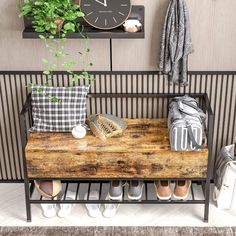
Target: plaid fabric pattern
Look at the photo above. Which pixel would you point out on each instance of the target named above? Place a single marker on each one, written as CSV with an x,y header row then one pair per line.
x,y
59,117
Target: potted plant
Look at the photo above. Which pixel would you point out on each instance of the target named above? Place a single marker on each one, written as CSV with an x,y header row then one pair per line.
x,y
54,19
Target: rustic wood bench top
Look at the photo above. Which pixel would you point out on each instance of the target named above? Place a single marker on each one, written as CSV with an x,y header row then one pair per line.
x,y
143,151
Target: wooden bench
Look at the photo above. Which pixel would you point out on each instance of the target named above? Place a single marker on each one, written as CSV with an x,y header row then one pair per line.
x,y
143,151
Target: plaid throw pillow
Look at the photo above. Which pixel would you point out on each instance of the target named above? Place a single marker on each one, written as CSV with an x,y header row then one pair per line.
x,y
58,117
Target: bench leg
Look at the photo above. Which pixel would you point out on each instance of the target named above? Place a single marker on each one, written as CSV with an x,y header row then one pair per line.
x,y
27,200
210,164
207,200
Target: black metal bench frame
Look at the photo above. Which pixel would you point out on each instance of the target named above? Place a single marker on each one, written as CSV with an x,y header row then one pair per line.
x,y
205,182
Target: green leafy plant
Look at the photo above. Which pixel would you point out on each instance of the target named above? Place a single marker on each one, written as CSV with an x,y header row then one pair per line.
x,y
54,19
49,15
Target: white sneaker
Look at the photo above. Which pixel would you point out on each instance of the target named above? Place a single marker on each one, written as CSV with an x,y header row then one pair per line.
x,y
49,210
110,209
65,209
93,209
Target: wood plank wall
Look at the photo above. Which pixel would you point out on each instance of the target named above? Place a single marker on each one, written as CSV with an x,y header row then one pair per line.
x,y
212,27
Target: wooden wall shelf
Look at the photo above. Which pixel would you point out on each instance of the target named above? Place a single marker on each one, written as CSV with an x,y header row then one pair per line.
x,y
138,12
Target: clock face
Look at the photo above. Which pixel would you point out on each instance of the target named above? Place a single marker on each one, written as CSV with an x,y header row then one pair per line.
x,y
105,14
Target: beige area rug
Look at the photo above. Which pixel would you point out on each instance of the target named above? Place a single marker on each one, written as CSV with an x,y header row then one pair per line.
x,y
123,231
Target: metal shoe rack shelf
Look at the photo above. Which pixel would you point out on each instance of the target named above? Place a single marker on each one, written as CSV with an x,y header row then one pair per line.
x,y
99,101
102,186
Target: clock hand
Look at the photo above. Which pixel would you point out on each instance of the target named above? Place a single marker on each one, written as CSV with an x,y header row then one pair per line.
x,y
104,3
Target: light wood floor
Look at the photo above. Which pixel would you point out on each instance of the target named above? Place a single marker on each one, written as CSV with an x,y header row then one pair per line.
x,y
12,213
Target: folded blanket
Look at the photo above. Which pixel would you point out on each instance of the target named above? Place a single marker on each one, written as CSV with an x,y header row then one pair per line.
x,y
225,157
176,43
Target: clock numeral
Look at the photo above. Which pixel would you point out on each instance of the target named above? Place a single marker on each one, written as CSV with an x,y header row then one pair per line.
x,y
124,5
90,13
87,5
121,13
105,11
96,19
114,19
105,21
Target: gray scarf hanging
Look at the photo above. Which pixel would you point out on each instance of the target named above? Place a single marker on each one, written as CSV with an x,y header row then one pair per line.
x,y
176,42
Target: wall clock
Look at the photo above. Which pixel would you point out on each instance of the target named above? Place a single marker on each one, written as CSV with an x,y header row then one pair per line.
x,y
105,14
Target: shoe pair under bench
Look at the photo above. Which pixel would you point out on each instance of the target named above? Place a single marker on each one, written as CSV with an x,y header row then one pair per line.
x,y
163,189
164,192
134,191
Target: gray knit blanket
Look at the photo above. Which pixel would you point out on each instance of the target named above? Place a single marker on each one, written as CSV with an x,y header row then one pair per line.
x,y
176,43
225,157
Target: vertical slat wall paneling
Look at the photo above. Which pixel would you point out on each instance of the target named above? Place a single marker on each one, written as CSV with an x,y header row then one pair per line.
x,y
220,87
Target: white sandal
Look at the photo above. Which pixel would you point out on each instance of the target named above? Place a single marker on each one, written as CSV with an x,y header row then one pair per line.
x,y
93,209
65,209
49,210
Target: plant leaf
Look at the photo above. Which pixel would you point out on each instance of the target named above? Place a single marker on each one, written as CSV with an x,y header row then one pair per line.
x,y
45,61
46,72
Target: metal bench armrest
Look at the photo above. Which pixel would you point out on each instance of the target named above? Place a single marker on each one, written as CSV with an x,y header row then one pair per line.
x,y
23,128
26,106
